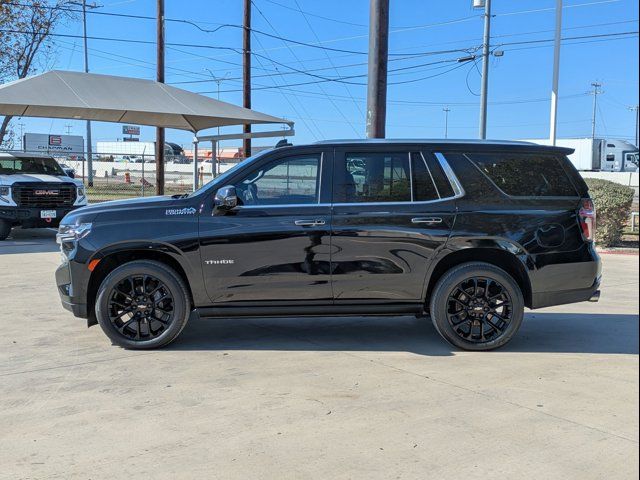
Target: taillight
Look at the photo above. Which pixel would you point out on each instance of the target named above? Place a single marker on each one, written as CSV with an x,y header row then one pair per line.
x,y
587,219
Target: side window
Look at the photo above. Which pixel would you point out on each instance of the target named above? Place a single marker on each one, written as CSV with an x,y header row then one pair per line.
x,y
287,181
372,177
525,175
439,177
423,186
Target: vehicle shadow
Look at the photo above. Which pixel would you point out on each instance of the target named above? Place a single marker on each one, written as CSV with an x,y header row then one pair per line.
x,y
540,332
35,240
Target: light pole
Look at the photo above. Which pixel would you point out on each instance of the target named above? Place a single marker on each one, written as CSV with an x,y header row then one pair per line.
x,y
553,124
21,125
485,65
446,111
635,109
596,91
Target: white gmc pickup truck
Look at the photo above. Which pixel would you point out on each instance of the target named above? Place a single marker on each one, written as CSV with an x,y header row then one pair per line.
x,y
35,192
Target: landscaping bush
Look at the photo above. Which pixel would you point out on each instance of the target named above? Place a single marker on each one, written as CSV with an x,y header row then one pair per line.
x,y
613,207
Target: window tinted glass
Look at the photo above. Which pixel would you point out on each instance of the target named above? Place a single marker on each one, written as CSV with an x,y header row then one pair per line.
x,y
439,177
372,177
525,175
35,165
292,180
423,187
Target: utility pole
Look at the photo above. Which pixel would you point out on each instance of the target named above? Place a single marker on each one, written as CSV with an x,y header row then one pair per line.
x,y
68,127
377,73
160,78
446,111
86,69
246,71
553,123
485,66
596,91
635,109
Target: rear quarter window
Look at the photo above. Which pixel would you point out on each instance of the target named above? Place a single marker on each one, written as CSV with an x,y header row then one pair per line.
x,y
526,175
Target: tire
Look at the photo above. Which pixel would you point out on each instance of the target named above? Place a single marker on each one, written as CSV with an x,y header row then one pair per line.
x,y
143,304
477,306
5,229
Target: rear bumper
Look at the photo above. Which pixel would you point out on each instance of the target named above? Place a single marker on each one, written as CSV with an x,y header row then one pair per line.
x,y
562,297
29,217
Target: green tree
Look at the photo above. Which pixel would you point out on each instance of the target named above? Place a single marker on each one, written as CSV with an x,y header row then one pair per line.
x,y
25,40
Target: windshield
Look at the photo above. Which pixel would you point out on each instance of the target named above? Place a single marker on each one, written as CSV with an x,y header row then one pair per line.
x,y
220,179
36,165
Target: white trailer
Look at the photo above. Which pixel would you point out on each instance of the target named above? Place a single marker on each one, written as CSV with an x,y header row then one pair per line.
x,y
598,154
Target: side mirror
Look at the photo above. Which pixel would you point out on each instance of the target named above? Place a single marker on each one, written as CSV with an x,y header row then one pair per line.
x,y
226,198
71,174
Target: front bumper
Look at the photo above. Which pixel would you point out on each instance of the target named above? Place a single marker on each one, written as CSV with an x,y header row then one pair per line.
x,y
71,296
29,217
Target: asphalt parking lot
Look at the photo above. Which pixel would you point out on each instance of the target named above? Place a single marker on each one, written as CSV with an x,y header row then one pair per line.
x,y
314,398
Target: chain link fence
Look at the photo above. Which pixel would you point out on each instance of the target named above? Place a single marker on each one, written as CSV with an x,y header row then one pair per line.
x,y
117,176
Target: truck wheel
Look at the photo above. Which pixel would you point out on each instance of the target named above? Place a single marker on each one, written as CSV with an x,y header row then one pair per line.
x,y
143,304
477,306
5,229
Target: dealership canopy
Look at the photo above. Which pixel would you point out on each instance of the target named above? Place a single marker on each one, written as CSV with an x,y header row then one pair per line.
x,y
107,98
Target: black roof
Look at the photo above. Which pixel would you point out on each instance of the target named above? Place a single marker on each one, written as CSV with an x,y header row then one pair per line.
x,y
456,143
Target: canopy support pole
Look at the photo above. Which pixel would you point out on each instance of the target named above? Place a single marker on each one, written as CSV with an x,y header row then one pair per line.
x,y
195,163
214,159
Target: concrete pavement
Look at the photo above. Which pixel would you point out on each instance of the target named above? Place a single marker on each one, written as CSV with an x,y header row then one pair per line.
x,y
361,398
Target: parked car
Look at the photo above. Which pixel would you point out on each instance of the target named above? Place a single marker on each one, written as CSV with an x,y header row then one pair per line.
x,y
35,192
466,233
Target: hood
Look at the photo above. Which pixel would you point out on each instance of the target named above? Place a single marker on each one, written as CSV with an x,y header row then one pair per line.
x,y
86,214
35,178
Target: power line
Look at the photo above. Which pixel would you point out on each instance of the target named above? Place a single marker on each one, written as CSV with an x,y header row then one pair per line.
x,y
320,87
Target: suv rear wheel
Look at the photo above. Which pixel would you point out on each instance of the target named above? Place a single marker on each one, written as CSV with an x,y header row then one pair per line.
x,y
143,304
5,229
477,306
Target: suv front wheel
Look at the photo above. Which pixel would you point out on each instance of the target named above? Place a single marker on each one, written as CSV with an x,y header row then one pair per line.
x,y
477,306
143,304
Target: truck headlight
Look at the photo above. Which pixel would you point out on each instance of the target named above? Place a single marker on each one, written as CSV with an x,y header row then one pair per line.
x,y
5,194
81,193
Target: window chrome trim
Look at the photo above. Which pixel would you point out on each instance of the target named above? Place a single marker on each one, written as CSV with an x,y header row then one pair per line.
x,y
458,190
413,198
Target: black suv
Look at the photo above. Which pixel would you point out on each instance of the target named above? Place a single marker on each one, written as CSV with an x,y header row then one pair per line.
x,y
468,233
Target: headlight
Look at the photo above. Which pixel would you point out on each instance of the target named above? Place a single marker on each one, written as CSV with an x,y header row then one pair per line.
x,y
81,191
72,233
5,194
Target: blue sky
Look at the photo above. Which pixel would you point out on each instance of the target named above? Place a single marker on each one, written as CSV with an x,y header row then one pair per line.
x,y
519,81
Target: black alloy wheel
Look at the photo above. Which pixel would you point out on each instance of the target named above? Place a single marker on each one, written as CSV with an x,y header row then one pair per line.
x,y
479,309
141,307
477,306
143,304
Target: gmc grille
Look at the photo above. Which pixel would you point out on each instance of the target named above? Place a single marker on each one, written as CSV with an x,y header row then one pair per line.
x,y
44,195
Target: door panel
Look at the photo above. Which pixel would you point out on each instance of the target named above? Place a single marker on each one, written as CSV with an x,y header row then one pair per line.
x,y
265,249
382,250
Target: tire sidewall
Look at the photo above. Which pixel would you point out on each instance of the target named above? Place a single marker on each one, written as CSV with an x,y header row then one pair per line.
x,y
167,276
455,276
5,229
